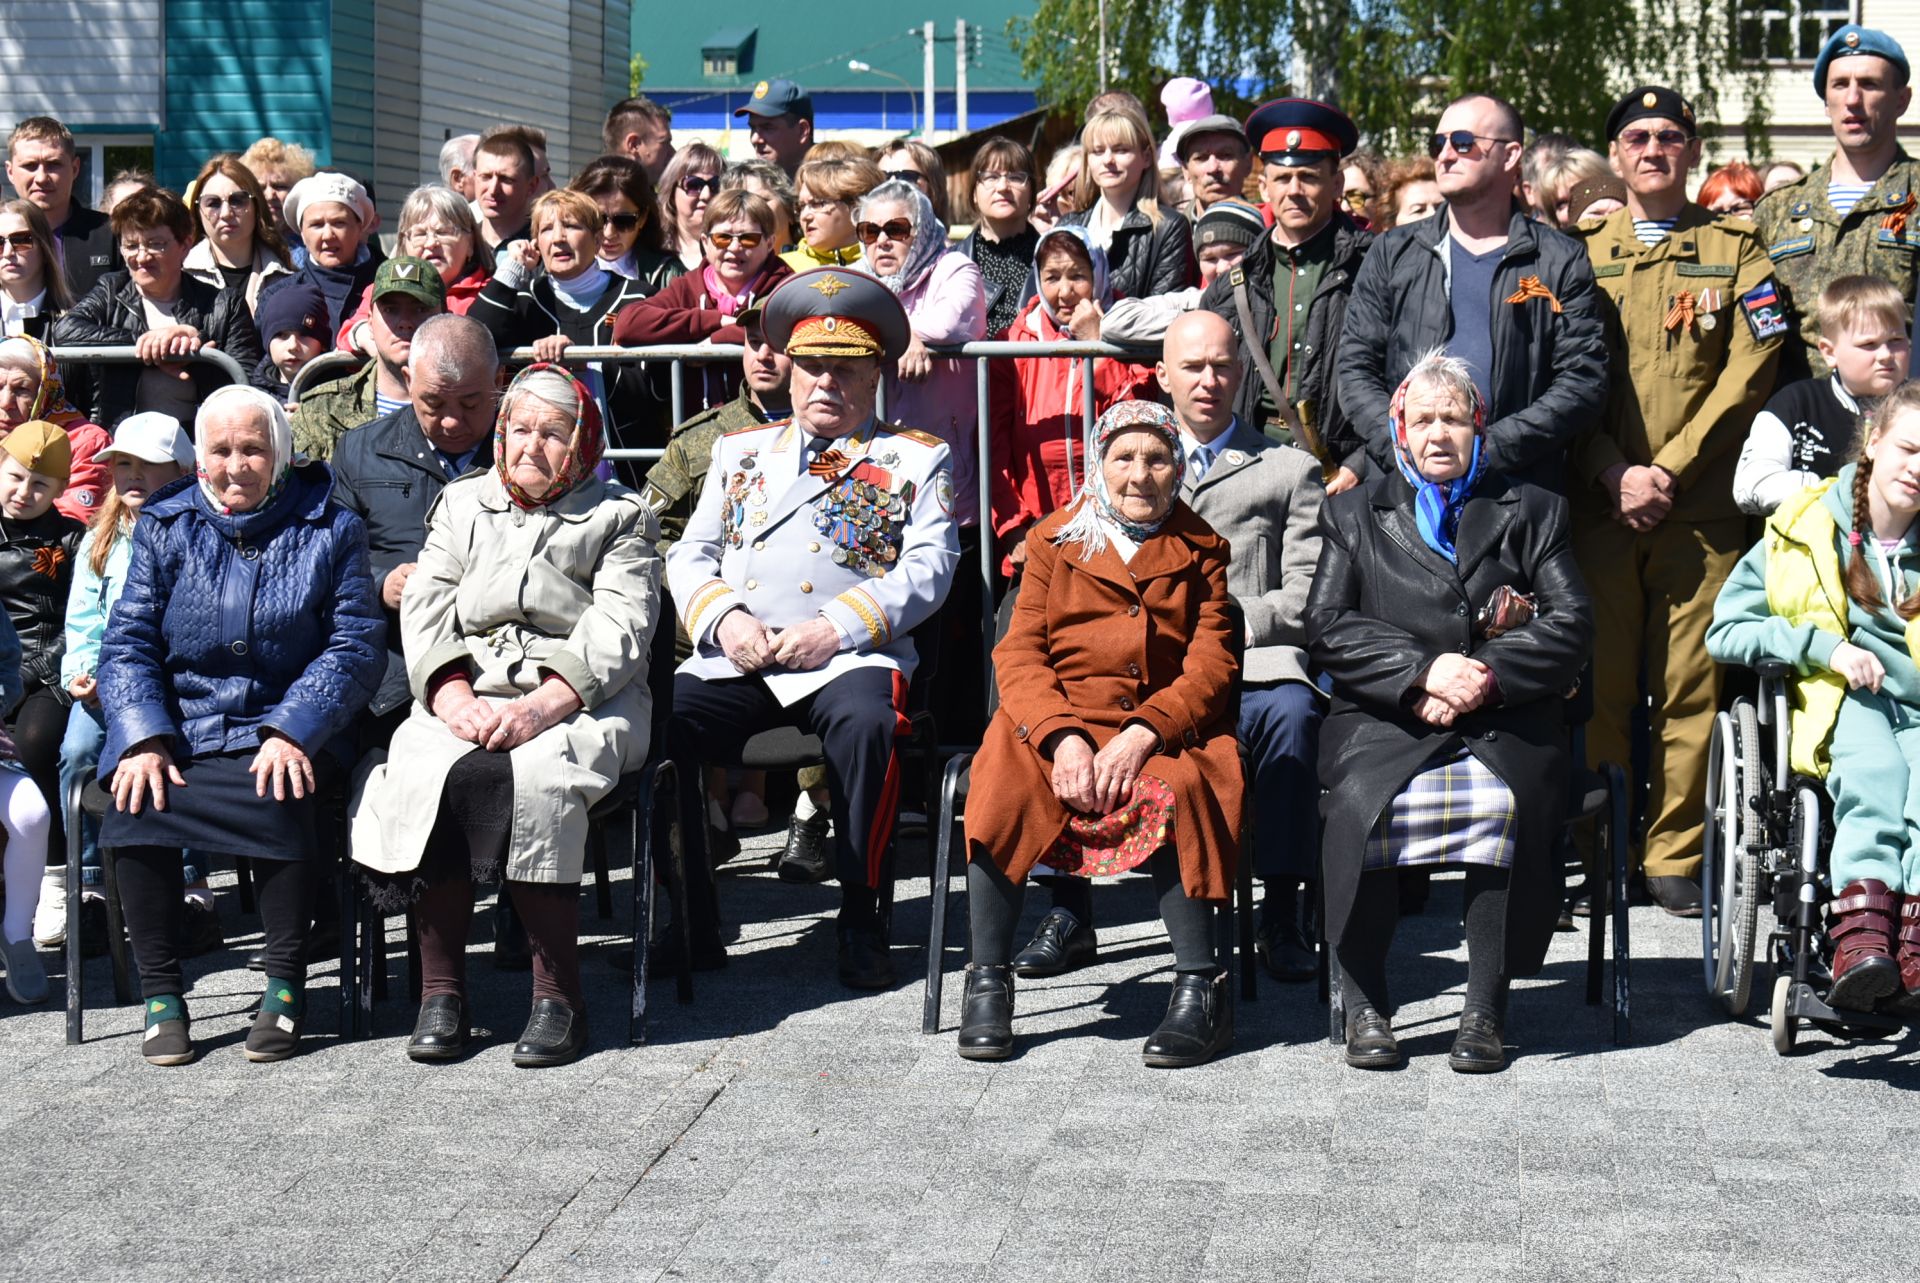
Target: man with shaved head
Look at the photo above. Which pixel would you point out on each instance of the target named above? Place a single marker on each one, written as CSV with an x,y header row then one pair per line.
x,y
1264,499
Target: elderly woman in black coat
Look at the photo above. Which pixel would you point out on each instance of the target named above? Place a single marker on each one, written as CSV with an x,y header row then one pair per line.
x,y
1452,620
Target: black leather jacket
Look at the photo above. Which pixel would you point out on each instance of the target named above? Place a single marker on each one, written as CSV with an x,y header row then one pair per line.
x,y
111,316
36,572
1145,258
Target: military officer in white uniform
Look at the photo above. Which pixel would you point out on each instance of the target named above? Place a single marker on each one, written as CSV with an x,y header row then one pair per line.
x,y
818,544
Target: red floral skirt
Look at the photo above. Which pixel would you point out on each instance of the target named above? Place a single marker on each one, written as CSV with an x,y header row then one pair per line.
x,y
1096,845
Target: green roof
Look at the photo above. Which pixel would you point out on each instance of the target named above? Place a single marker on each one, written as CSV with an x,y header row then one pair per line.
x,y
812,43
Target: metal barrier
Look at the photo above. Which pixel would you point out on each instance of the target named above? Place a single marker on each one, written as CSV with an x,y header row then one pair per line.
x,y
130,355
324,368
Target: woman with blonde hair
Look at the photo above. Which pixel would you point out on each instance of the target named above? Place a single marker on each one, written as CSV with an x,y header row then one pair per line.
x,y
237,244
690,183
1149,249
278,166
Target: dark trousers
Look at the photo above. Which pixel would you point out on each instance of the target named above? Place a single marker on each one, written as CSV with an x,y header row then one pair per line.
x,y
153,893
857,716
1280,731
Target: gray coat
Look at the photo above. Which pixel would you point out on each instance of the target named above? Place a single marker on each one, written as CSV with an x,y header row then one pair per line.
x,y
1264,500
571,589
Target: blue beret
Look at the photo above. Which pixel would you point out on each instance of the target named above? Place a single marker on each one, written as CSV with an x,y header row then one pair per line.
x,y
1852,41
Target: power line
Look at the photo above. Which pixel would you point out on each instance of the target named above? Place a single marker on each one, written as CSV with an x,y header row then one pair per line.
x,y
794,73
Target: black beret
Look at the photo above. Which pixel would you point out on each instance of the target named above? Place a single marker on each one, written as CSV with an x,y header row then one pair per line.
x,y
1651,102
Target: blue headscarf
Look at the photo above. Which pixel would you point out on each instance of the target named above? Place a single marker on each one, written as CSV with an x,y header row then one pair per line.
x,y
1437,504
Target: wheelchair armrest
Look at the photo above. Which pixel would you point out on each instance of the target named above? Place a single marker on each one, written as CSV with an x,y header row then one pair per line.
x,y
1773,670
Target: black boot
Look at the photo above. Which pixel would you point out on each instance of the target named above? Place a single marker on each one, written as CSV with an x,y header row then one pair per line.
x,y
805,858
1198,1024
1285,949
1062,943
556,1034
1370,1040
440,1032
865,961
986,1014
1479,1047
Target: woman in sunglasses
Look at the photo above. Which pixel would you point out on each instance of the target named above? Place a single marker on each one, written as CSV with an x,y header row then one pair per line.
x,y
700,307
633,241
234,247
913,161
33,289
691,181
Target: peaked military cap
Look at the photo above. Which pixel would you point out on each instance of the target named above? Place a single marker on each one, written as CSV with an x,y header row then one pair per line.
x,y
832,311
1300,131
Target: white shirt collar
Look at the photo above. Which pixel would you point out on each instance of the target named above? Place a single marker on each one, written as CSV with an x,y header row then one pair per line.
x,y
13,314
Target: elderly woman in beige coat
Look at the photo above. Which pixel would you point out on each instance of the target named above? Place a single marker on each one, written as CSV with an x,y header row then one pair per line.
x,y
526,627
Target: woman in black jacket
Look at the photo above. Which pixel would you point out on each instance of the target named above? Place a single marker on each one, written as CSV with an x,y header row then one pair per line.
x,y
1450,615
552,294
1149,249
155,306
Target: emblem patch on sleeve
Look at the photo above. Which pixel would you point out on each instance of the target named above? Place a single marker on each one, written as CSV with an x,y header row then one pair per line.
x,y
1766,315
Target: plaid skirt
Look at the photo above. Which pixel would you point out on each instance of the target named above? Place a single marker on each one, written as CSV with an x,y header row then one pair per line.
x,y
1455,811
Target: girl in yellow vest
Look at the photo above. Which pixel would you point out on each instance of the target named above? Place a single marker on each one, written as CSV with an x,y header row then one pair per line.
x,y
1833,589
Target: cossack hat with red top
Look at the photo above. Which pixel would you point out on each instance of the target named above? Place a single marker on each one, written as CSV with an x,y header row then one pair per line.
x,y
833,311
1300,131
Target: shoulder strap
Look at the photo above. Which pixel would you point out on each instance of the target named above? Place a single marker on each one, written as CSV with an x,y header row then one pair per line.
x,y
1305,434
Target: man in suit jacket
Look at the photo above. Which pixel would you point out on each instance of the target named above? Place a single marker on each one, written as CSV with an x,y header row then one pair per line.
x,y
1264,498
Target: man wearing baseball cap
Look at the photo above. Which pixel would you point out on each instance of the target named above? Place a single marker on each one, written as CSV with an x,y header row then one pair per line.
x,y
819,544
406,291
780,118
1853,215
1215,157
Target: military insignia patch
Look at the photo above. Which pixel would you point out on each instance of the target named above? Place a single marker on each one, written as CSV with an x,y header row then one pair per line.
x,y
943,491
830,285
1765,315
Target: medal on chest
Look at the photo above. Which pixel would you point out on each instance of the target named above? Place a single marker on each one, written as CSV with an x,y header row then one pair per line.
x,y
746,489
864,516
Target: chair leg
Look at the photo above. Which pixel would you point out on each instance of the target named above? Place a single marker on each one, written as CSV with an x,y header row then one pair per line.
x,y
1244,928
939,889
1599,884
641,893
1329,973
371,943
117,947
602,884
76,966
243,877
1622,959
349,944
672,827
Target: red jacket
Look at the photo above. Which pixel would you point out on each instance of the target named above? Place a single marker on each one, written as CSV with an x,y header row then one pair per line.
x,y
1037,418
685,314
88,478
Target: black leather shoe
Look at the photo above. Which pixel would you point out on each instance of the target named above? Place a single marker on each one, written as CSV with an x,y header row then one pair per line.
x,y
1478,1048
1286,953
1678,896
1198,1025
864,960
440,1033
556,1034
1370,1040
1061,944
986,1014
805,858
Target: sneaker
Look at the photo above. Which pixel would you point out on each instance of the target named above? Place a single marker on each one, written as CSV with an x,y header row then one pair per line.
x,y
50,915
26,975
275,1036
167,1043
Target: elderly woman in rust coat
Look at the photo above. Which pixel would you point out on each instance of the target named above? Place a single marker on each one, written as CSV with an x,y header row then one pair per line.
x,y
1114,742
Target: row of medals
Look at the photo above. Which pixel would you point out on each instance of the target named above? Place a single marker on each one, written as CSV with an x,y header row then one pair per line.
x,y
873,514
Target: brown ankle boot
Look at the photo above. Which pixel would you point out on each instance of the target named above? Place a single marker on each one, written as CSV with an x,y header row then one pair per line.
x,y
1906,998
1860,922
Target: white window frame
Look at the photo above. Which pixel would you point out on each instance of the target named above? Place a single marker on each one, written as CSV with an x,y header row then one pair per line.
x,y
1793,13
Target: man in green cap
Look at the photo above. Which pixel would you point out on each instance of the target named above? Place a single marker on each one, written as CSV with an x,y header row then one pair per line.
x,y
406,291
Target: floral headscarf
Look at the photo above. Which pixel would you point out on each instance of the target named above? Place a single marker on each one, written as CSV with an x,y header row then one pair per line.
x,y
50,403
1437,504
1096,514
279,441
583,451
929,234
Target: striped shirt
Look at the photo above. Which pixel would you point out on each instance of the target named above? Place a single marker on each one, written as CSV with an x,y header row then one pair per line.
x,y
1844,196
1651,231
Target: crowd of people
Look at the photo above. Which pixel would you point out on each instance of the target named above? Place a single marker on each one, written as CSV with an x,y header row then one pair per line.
x,y
1390,458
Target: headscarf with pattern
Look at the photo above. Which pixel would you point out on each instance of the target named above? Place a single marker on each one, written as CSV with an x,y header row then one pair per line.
x,y
279,441
1096,514
50,402
583,450
1437,504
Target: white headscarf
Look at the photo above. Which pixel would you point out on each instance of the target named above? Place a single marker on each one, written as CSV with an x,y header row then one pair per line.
x,y
325,186
279,438
929,233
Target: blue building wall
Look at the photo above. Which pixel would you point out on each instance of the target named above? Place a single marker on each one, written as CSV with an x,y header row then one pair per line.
x,y
850,108
353,87
220,98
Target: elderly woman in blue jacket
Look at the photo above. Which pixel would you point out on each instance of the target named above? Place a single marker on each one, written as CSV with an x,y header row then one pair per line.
x,y
246,640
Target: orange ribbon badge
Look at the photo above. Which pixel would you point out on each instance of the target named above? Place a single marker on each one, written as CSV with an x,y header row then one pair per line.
x,y
1530,287
1680,315
1896,222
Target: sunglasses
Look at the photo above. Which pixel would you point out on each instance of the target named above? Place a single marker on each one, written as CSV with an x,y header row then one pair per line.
x,y
1637,139
237,202
623,223
693,184
894,229
22,241
1356,200
1461,140
907,175
745,240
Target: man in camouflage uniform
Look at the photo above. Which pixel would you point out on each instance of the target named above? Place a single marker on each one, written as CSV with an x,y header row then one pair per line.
x,y
1853,216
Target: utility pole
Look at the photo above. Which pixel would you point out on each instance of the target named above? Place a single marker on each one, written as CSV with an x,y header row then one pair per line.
x,y
927,118
1103,46
960,75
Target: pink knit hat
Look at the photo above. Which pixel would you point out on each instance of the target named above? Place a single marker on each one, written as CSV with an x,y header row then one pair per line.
x,y
1186,99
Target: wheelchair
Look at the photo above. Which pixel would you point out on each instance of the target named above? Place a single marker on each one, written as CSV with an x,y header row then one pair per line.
x,y
1767,841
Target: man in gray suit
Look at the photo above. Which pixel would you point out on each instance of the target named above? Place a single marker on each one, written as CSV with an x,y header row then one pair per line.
x,y
1265,500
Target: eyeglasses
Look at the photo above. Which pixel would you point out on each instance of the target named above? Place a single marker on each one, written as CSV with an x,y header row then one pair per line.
x,y
894,229
1462,141
623,223
147,249
694,184
1668,139
820,206
1012,178
745,240
238,202
1356,200
434,236
21,241
907,175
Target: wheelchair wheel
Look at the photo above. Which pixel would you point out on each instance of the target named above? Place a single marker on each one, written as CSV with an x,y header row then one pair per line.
x,y
1730,873
1786,1029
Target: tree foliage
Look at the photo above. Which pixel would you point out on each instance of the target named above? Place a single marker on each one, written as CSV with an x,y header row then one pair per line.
x,y
1392,64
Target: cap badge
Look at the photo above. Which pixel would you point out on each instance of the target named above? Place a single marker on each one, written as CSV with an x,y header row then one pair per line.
x,y
1206,237
760,90
831,285
1853,39
1293,139
404,271
830,323
1650,99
